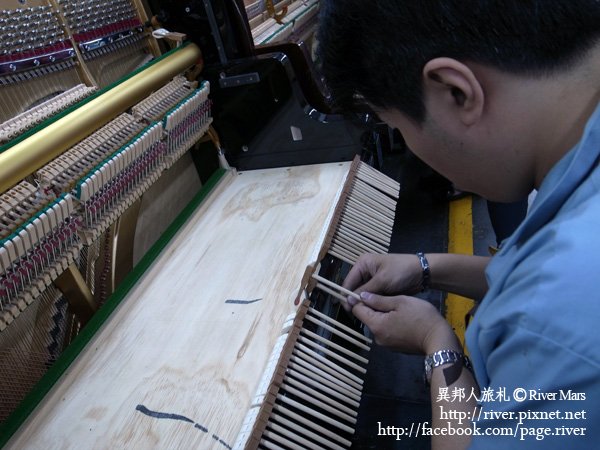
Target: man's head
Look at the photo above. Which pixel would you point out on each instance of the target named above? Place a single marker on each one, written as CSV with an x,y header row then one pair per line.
x,y
445,71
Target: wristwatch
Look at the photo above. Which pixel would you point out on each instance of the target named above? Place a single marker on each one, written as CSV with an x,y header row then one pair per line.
x,y
442,357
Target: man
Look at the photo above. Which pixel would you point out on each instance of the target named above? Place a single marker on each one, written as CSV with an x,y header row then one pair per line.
x,y
501,97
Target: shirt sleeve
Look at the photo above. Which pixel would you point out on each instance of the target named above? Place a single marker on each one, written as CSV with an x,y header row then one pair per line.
x,y
540,395
535,339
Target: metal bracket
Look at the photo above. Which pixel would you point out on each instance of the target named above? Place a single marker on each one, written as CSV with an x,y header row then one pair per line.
x,y
226,81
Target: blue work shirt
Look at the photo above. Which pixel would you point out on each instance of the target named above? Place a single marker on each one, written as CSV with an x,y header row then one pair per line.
x,y
535,338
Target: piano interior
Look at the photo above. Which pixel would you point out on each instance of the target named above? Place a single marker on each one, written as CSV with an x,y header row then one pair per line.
x,y
176,218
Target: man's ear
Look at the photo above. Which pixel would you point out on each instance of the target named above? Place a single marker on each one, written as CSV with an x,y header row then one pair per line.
x,y
450,84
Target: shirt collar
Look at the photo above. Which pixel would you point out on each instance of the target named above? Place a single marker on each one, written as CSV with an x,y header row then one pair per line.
x,y
564,178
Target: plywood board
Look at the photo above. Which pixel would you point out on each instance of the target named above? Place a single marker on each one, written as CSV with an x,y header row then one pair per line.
x,y
177,365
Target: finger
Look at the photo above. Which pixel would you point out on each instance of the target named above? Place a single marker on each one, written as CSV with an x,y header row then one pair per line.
x,y
360,273
347,307
366,315
379,302
373,285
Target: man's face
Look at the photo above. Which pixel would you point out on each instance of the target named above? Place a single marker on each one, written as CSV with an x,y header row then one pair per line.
x,y
476,160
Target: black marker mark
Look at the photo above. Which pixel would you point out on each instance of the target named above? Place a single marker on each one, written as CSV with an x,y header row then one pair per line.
x,y
242,302
222,442
161,415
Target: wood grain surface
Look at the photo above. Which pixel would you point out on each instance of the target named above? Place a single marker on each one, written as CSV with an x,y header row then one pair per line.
x,y
176,365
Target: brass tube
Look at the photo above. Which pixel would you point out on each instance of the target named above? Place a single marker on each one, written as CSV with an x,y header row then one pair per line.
x,y
32,153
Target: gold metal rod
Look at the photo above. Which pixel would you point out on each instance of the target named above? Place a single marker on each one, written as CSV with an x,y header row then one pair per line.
x,y
32,153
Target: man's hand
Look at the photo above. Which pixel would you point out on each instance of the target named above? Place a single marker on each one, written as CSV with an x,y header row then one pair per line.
x,y
391,274
396,274
405,324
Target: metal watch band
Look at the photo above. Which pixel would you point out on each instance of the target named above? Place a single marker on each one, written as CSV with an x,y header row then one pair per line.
x,y
444,357
426,271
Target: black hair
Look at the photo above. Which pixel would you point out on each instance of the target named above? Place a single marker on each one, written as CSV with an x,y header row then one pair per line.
x,y
373,51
